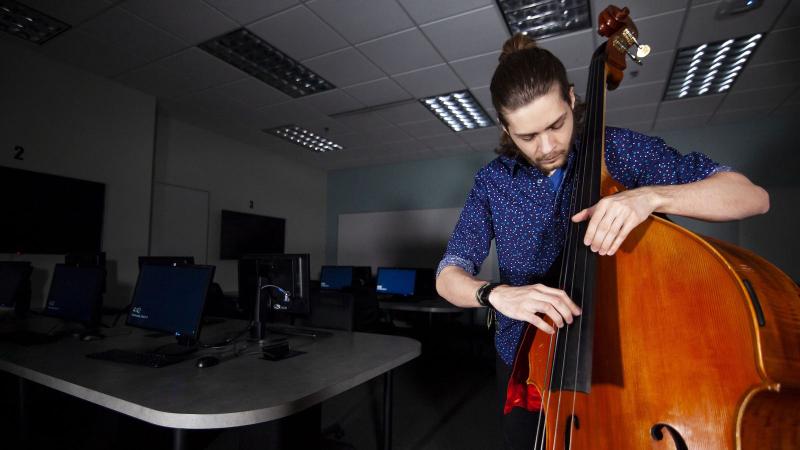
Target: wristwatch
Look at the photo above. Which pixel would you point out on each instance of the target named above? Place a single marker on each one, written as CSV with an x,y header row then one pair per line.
x,y
482,294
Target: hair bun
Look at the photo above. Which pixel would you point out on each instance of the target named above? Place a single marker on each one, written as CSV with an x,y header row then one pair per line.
x,y
516,43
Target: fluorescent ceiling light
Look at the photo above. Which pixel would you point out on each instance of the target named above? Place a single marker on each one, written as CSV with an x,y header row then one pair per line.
x,y
458,110
716,65
301,136
540,19
28,23
250,53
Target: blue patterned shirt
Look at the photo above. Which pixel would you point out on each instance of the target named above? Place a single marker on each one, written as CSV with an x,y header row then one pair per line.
x,y
515,204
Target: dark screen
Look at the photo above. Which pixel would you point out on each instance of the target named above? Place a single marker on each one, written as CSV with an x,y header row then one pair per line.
x,y
336,277
48,214
14,275
165,260
396,281
243,234
75,293
170,298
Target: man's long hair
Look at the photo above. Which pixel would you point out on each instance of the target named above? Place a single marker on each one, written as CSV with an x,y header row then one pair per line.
x,y
525,73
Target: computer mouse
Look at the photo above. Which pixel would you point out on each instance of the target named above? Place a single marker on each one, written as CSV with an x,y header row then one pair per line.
x,y
92,337
207,361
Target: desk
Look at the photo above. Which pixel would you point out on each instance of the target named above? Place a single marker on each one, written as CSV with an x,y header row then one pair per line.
x,y
436,305
241,391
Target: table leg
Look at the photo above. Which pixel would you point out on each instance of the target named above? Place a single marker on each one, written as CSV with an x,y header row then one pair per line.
x,y
23,412
387,410
178,439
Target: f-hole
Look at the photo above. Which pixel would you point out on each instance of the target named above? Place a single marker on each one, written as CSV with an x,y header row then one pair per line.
x,y
657,434
571,420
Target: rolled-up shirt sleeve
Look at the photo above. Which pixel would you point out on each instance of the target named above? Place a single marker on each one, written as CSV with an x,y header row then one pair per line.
x,y
472,238
635,159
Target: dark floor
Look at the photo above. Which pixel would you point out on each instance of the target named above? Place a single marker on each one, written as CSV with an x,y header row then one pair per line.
x,y
445,399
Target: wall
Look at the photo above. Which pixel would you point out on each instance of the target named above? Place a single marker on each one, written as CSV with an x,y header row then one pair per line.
x,y
760,149
233,174
75,124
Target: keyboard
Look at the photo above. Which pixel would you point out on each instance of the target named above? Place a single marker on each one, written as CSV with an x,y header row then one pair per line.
x,y
27,337
139,358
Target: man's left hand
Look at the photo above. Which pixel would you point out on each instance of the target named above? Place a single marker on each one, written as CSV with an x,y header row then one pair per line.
x,y
613,218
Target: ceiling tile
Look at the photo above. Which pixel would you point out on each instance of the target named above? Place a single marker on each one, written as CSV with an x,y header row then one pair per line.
x,y
363,121
344,67
132,34
352,141
401,52
82,50
328,127
424,11
72,13
378,92
759,76
426,128
380,136
253,93
660,32
299,33
431,81
574,49
779,45
200,66
629,115
361,20
790,17
482,139
739,115
680,123
411,111
702,26
769,98
287,113
331,102
473,33
191,20
442,141
247,11
484,97
579,78
642,8
656,68
695,106
635,95
157,81
476,71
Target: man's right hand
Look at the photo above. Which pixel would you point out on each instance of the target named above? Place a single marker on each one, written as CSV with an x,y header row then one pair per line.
x,y
526,303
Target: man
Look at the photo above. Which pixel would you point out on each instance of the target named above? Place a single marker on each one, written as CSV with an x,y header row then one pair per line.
x,y
519,200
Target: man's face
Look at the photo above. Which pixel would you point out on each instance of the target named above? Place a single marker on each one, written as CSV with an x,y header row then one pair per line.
x,y
542,129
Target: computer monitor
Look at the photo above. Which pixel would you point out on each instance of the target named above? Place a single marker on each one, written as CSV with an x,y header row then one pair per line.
x,y
336,278
394,281
289,272
76,294
170,299
15,285
165,260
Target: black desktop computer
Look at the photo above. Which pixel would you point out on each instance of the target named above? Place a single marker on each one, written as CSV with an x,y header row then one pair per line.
x,y
15,286
342,278
168,299
76,295
396,282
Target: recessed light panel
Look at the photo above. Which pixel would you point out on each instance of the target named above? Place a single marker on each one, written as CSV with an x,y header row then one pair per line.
x,y
458,110
540,19
255,56
709,68
304,138
28,23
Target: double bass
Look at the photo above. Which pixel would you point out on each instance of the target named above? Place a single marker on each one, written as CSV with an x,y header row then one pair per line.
x,y
685,342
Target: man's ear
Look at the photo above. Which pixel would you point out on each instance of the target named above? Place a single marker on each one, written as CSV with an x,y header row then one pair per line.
x,y
572,96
